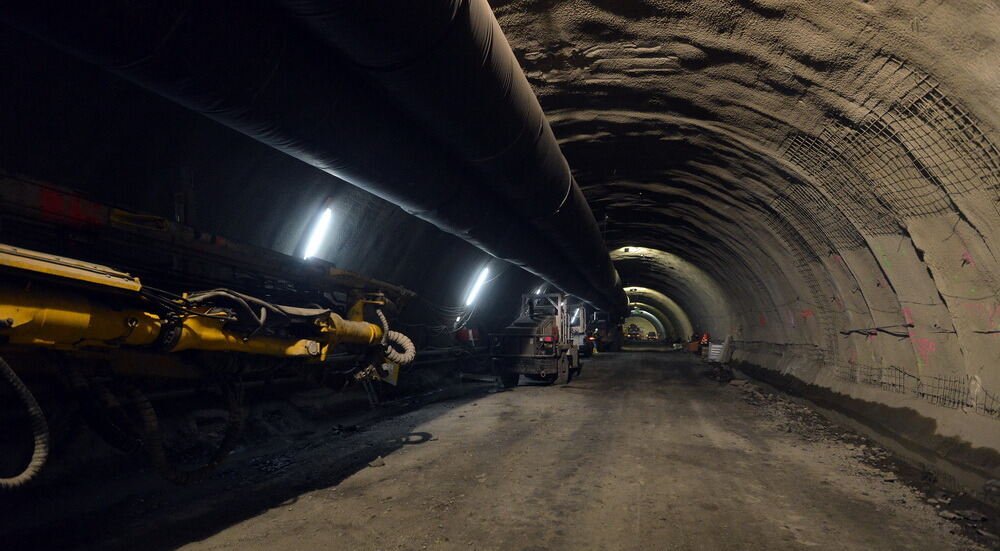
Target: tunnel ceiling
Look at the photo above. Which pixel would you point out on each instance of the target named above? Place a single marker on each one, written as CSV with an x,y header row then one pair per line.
x,y
820,172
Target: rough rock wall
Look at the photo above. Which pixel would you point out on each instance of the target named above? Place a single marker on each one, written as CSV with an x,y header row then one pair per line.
x,y
832,166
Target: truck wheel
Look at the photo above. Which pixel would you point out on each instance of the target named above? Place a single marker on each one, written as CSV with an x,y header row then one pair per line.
x,y
509,379
563,376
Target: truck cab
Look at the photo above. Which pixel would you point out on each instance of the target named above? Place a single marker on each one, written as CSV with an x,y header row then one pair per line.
x,y
580,331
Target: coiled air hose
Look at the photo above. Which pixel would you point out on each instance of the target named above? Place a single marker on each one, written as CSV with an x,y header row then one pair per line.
x,y
39,429
399,349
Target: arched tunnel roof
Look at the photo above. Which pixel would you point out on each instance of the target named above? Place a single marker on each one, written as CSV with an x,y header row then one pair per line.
x,y
820,181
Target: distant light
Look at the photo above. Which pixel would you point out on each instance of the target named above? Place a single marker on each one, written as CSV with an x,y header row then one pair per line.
x,y
458,319
575,315
318,234
478,285
538,291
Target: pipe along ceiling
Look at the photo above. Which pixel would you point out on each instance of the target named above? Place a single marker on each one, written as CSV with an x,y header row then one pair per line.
x,y
423,105
818,180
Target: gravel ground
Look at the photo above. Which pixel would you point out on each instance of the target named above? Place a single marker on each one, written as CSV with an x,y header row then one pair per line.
x,y
643,451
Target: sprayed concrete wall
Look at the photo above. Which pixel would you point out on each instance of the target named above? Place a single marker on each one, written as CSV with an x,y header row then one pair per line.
x,y
820,180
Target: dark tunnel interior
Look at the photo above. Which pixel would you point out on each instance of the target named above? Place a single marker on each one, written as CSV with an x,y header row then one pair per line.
x,y
815,183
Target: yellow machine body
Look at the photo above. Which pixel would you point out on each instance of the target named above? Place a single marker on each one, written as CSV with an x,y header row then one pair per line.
x,y
53,308
44,264
45,315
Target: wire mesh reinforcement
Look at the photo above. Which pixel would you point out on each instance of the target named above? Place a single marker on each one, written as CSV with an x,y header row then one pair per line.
x,y
904,157
840,179
955,392
835,228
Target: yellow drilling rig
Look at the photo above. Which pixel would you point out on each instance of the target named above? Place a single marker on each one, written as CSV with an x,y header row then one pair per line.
x,y
97,329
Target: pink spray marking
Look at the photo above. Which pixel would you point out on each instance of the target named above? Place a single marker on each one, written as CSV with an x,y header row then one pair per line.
x,y
924,347
967,258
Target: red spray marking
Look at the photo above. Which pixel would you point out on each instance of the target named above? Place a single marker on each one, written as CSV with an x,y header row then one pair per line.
x,y
838,259
807,313
907,315
924,347
967,258
762,319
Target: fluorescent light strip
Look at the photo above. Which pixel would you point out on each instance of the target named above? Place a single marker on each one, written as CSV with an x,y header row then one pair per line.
x,y
318,233
478,285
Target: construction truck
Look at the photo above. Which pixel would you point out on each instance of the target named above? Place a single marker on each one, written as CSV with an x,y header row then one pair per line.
x,y
538,344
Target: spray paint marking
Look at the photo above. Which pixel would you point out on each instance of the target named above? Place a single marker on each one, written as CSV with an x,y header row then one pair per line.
x,y
762,319
885,257
924,347
908,317
967,258
807,313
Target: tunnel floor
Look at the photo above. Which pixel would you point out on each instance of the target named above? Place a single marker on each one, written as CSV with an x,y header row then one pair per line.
x,y
641,452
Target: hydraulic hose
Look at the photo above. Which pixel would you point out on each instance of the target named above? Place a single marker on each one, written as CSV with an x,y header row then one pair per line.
x,y
39,429
154,438
398,347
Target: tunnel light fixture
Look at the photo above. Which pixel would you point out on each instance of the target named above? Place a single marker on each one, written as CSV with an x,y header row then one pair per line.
x,y
576,315
318,234
477,286
538,291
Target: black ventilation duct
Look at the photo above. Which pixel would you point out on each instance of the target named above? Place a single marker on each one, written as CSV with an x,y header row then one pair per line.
x,y
436,117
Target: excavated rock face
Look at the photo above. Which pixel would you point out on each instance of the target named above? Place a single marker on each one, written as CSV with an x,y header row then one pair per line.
x,y
818,179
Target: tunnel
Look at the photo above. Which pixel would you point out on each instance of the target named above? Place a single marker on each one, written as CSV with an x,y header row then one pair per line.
x,y
796,205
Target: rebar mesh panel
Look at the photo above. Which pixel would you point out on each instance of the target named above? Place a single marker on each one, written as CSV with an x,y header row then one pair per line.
x,y
843,181
847,372
908,155
804,224
986,403
874,147
832,222
943,135
895,379
949,392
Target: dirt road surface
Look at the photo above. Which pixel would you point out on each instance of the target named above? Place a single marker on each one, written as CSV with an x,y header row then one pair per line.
x,y
643,452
